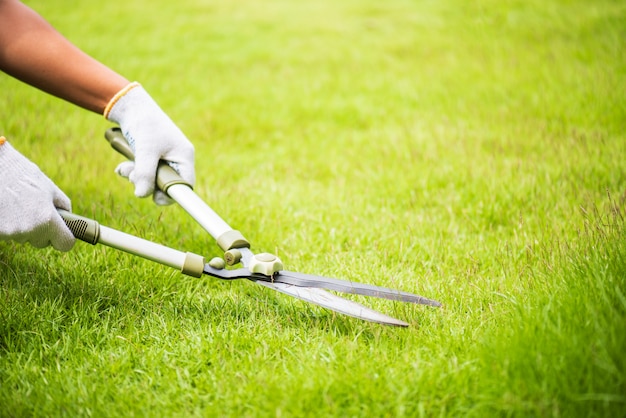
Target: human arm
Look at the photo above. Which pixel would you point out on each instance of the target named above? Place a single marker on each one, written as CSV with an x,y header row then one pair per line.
x,y
32,51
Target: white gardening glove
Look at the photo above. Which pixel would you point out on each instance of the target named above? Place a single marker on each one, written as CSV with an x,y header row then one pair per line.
x,y
29,202
152,136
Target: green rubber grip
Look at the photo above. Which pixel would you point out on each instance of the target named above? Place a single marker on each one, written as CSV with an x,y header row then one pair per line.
x,y
166,175
84,229
193,265
232,239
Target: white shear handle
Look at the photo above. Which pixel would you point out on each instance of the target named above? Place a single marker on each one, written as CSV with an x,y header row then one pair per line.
x,y
178,189
93,233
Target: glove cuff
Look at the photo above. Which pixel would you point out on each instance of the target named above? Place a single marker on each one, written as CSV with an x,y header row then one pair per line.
x,y
10,158
14,161
109,114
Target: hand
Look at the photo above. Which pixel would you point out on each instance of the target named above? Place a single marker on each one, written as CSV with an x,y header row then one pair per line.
x,y
29,202
152,136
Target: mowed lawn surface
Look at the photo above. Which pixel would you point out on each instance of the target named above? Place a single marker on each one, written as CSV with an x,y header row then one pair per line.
x,y
470,152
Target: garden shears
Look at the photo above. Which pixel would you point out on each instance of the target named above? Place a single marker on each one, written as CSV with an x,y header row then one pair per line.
x,y
264,268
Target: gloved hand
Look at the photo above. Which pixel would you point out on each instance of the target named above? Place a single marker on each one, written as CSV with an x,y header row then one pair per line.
x,y
28,202
152,136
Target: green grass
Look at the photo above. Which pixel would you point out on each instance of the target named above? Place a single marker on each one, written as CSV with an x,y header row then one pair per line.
x,y
471,152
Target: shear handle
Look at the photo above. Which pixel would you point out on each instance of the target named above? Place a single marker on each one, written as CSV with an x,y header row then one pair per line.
x,y
170,182
92,232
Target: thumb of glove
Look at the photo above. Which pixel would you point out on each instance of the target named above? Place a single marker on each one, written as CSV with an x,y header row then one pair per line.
x,y
124,169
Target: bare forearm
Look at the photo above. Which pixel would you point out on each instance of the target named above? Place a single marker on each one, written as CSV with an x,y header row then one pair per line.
x,y
32,51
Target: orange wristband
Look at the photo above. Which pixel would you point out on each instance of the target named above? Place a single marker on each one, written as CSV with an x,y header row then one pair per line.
x,y
118,96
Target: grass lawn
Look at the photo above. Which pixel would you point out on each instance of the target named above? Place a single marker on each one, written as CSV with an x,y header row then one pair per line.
x,y
473,152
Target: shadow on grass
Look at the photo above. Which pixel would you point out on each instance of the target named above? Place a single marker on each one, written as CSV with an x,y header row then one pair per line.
x,y
45,298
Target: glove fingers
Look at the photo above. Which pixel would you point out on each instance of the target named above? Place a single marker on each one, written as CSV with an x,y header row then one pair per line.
x,y
60,200
124,169
144,176
185,164
186,171
144,182
62,238
161,198
52,231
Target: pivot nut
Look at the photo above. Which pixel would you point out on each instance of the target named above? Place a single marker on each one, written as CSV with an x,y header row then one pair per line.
x,y
232,257
266,264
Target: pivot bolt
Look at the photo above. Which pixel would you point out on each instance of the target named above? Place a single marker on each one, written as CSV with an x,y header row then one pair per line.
x,y
266,264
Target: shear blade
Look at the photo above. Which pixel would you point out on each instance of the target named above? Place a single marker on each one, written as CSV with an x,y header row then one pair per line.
x,y
309,280
328,300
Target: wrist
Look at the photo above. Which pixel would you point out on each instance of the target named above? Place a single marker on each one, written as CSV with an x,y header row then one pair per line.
x,y
118,96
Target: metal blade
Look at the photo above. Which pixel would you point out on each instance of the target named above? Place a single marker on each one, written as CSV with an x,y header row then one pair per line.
x,y
328,300
309,280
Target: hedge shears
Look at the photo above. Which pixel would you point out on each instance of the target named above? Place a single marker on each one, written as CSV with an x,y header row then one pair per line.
x,y
263,268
